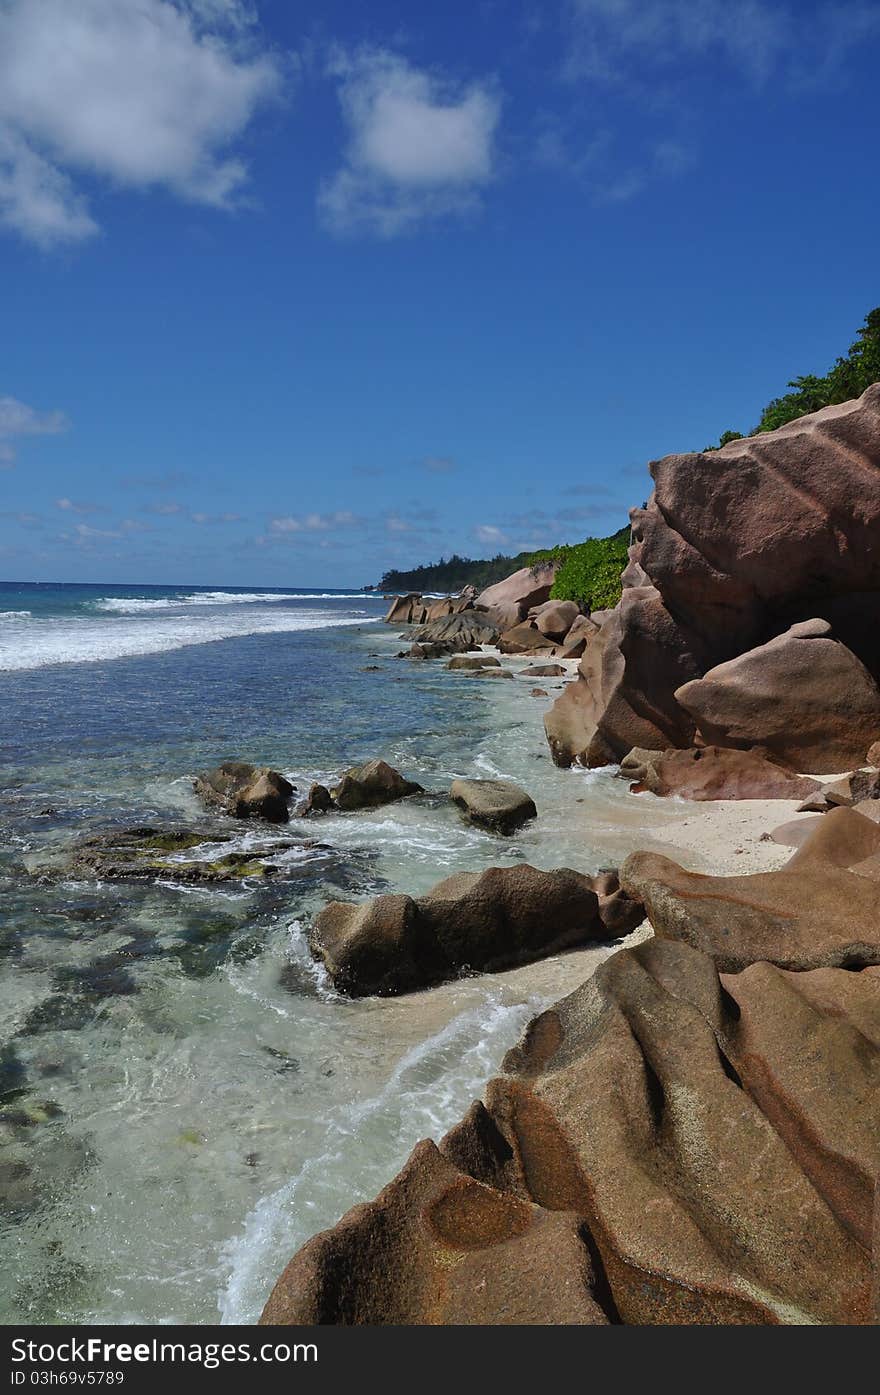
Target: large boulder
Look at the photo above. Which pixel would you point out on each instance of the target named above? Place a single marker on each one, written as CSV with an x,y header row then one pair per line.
x,y
245,791
803,696
544,671
477,921
820,910
510,600
767,523
734,546
467,663
525,638
406,610
555,618
499,805
719,1173
624,693
375,782
712,772
466,629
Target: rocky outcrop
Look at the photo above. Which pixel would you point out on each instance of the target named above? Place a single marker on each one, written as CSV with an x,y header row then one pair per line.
x,y
498,805
187,855
510,600
467,629
454,1251
246,791
477,921
659,1150
373,783
712,772
734,547
406,610
469,662
821,910
803,695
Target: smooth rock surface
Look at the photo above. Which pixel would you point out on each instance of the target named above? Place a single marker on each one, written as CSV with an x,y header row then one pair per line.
x,y
714,1173
714,773
496,804
476,921
803,696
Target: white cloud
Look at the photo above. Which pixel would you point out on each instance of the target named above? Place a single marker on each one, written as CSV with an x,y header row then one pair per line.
x,y
754,37
312,522
140,92
419,146
18,419
749,33
488,533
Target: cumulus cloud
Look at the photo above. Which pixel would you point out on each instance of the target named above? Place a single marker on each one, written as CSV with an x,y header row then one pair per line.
x,y
17,419
143,93
419,145
488,533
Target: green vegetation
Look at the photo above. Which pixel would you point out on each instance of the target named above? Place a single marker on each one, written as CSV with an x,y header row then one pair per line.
x,y
590,571
848,378
452,575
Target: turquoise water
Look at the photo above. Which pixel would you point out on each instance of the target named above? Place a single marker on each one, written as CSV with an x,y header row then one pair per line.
x,y
182,1099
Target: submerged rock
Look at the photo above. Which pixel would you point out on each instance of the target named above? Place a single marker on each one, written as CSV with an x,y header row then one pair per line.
x,y
479,921
246,791
318,801
373,783
499,805
148,852
659,1150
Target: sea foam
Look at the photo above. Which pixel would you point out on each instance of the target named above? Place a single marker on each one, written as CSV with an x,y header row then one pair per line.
x,y
80,641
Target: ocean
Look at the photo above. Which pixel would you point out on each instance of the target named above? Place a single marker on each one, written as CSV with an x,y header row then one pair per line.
x,y
183,1099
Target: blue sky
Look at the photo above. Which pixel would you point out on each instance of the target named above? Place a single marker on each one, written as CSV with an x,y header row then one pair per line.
x,y
292,293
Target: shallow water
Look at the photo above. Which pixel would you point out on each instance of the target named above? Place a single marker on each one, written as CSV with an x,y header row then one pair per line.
x,y
182,1100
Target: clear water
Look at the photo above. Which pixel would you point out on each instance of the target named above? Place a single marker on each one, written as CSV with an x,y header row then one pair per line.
x,y
182,1100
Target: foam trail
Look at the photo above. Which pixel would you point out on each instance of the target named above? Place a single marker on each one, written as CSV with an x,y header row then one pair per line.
x,y
428,1090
